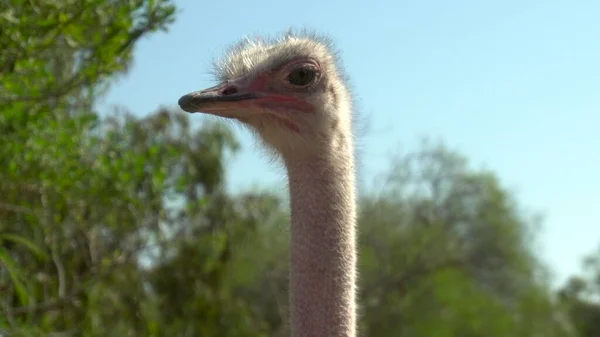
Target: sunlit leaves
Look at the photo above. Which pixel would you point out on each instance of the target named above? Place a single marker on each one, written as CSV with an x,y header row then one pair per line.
x,y
54,48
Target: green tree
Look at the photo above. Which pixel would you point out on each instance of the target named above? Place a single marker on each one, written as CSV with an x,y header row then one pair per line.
x,y
108,226
131,235
447,252
52,50
581,298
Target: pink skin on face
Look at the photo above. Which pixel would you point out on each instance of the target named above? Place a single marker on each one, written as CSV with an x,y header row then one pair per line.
x,y
283,104
230,98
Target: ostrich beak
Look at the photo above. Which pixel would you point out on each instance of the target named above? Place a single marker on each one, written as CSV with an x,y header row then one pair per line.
x,y
220,100
240,98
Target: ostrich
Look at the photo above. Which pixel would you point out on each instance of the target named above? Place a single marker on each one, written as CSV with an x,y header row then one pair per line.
x,y
292,94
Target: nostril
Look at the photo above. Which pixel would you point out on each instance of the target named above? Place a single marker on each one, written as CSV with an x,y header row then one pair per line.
x,y
229,91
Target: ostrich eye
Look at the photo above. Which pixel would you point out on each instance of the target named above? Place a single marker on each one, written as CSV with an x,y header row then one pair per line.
x,y
301,76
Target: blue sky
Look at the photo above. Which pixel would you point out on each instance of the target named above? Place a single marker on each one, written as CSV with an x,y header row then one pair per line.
x,y
513,85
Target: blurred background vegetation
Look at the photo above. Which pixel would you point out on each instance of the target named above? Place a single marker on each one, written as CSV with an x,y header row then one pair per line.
x,y
115,225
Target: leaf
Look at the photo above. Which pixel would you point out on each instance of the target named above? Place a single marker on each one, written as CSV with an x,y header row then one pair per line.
x,y
15,275
35,249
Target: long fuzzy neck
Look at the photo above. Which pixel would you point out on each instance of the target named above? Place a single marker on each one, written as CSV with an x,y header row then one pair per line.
x,y
323,241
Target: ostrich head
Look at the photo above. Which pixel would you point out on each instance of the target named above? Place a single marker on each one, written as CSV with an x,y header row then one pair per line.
x,y
290,91
292,94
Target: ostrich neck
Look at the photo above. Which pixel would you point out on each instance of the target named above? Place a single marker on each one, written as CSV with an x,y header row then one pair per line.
x,y
323,248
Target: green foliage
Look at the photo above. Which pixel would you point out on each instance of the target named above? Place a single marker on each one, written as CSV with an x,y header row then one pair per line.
x,y
581,298
51,49
446,252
